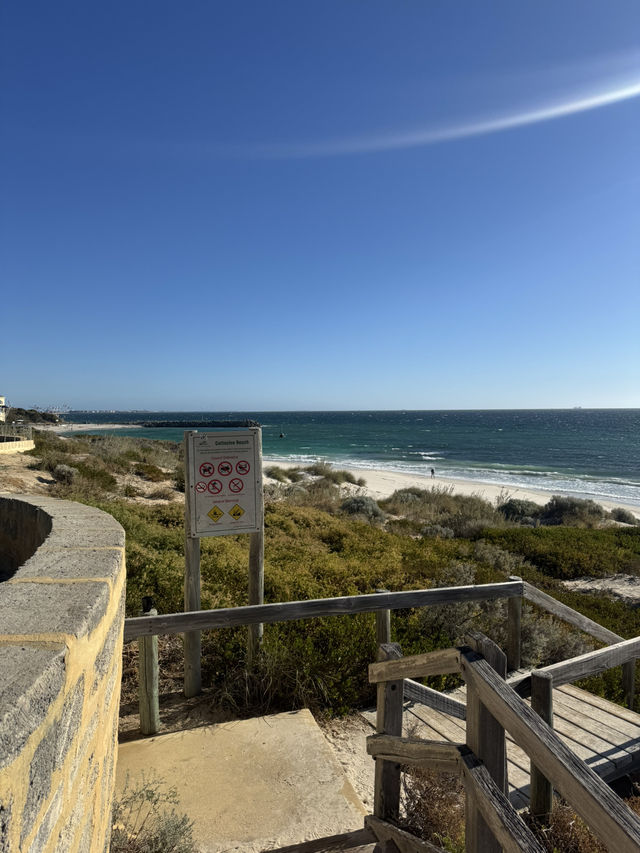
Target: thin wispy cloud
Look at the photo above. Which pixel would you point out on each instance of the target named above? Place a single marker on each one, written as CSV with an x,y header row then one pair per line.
x,y
602,94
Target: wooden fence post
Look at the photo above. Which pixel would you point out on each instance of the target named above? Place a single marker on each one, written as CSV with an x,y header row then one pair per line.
x,y
514,630
383,624
386,797
629,682
256,593
541,799
256,567
148,675
192,639
486,739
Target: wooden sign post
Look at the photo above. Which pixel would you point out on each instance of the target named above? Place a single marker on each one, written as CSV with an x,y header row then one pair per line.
x,y
223,497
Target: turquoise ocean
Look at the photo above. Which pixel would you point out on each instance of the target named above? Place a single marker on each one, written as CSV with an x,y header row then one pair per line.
x,y
589,453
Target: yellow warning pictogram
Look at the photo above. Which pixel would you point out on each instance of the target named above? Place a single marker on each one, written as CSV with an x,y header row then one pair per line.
x,y
236,512
215,513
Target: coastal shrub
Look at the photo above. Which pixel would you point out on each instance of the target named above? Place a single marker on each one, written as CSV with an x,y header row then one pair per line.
x,y
179,477
572,552
163,493
465,515
130,491
327,472
321,493
145,820
516,509
276,473
571,512
64,473
47,442
362,505
437,531
15,413
50,460
97,475
499,559
564,831
433,808
150,472
623,515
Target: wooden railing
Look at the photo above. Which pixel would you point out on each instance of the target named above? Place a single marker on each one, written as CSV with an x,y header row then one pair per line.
x,y
229,617
381,603
493,706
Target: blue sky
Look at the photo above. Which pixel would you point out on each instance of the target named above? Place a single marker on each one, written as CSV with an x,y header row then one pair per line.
x,y
320,205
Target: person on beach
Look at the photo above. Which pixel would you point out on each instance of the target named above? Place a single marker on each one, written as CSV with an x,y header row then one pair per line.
x,y
433,473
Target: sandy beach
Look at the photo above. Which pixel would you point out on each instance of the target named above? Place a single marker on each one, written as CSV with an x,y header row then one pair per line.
x,y
381,484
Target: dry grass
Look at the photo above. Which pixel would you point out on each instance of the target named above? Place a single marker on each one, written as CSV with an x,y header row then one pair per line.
x,y
434,811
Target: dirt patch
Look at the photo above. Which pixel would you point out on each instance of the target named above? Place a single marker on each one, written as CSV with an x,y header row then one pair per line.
x,y
348,738
18,476
623,587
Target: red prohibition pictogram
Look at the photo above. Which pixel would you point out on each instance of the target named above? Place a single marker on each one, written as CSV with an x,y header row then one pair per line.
x,y
225,468
236,485
243,467
214,487
207,469
201,487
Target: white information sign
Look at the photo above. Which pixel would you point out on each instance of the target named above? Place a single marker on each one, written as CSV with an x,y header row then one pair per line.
x,y
224,482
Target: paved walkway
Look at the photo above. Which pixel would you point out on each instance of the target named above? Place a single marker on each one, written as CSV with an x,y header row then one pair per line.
x,y
251,785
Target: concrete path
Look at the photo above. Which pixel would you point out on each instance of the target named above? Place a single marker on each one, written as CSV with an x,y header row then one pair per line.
x,y
251,785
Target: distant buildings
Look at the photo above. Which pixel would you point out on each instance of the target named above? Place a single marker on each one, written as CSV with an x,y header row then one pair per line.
x,y
3,410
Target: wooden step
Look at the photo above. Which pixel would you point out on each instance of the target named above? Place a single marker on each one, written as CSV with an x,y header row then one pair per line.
x,y
360,841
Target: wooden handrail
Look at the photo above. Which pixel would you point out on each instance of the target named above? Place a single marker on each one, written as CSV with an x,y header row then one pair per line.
x,y
228,617
440,662
612,821
435,755
568,614
593,663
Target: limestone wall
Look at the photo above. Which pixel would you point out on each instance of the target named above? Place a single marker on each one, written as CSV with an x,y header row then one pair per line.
x,y
17,446
61,619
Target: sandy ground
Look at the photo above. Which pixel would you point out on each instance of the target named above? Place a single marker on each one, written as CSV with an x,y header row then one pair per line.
x,y
623,587
19,477
348,737
381,484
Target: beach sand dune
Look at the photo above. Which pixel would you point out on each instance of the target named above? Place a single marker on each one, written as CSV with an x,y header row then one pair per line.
x,y
380,484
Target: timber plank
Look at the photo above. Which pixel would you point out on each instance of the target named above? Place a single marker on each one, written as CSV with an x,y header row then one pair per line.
x,y
437,726
611,740
286,611
597,701
360,841
404,841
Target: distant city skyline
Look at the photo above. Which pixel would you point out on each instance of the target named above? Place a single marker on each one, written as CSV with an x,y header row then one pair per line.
x,y
320,206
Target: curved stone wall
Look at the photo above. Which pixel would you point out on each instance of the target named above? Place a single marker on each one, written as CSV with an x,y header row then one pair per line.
x,y
61,620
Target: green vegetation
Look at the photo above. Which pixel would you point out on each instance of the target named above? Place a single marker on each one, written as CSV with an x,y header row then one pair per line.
x,y
323,539
570,552
30,416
